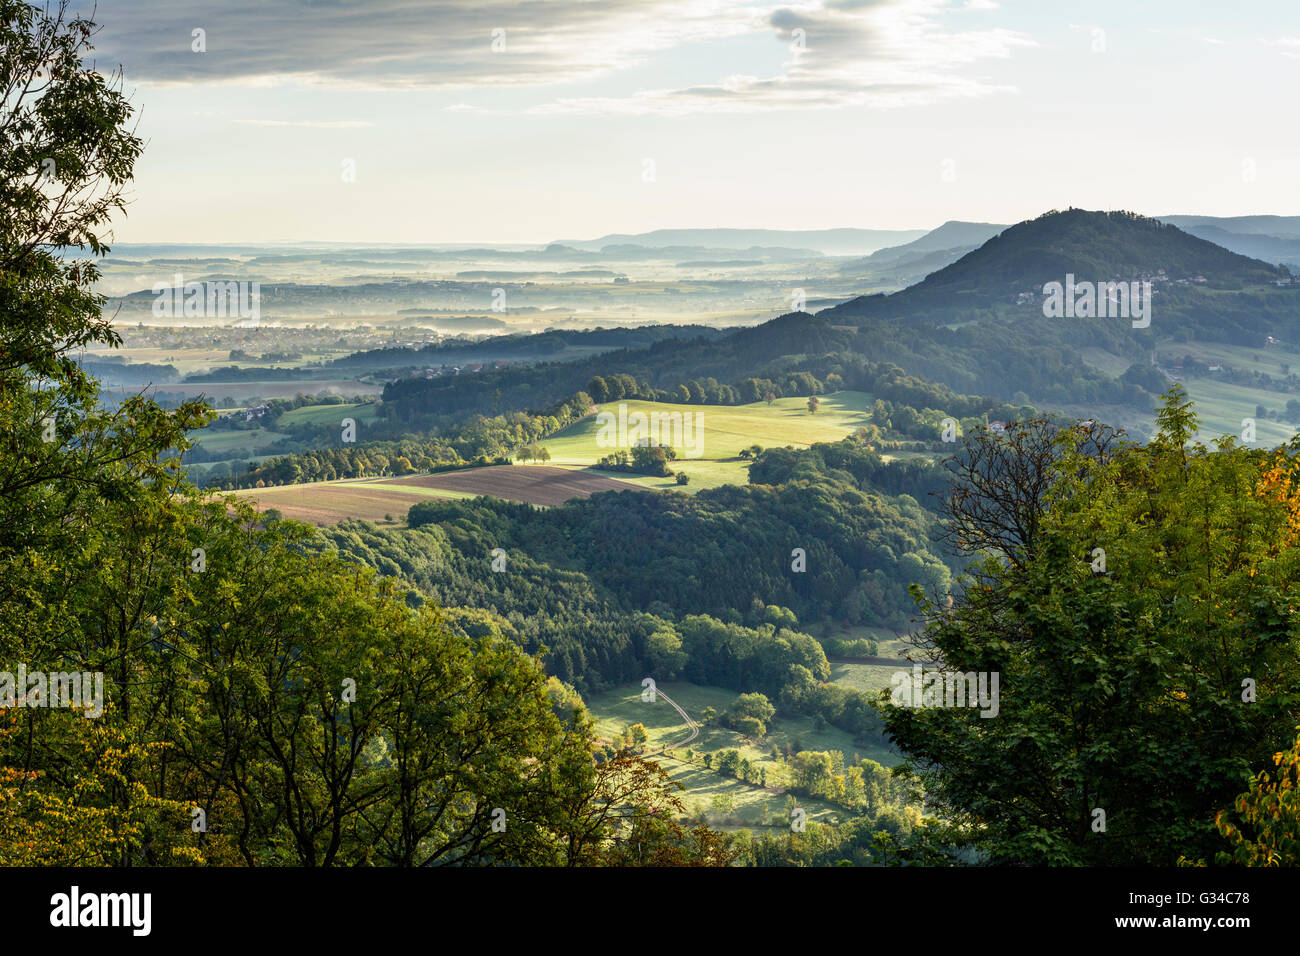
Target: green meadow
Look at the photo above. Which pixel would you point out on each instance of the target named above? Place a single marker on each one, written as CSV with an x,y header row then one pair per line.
x,y
239,444
724,431
724,799
1220,405
328,414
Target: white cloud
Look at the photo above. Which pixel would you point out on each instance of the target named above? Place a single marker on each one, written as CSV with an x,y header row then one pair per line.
x,y
856,52
1288,47
404,44
853,53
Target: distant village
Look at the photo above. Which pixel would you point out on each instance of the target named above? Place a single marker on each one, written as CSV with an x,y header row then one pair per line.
x,y
444,371
1030,296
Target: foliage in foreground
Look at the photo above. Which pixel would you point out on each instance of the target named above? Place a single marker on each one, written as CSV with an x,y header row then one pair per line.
x,y
1140,606
265,704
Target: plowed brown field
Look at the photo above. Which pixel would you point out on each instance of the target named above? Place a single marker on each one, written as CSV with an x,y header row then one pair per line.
x,y
536,484
329,502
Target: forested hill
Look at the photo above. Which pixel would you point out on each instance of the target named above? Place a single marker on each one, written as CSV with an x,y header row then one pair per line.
x,y
1093,246
979,326
976,326
551,345
767,355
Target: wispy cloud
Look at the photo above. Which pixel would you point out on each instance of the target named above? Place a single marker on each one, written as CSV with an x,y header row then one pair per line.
x,y
413,44
842,53
1288,47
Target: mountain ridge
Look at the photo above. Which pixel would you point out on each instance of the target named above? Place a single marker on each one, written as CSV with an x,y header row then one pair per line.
x,y
840,241
1091,245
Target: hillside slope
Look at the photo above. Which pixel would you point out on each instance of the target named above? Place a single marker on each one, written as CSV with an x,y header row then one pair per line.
x,y
1096,246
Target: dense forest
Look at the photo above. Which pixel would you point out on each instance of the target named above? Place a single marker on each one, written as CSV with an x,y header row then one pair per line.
x,y
1138,602
617,587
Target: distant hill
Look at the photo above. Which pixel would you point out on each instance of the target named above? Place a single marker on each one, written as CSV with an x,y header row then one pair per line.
x,y
630,251
908,269
831,242
979,325
1282,227
1271,238
953,234
912,261
1096,246
775,349
1279,249
551,345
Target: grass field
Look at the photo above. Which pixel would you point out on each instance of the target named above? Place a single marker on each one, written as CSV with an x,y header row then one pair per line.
x,y
1220,405
244,443
328,414
873,676
240,444
703,473
870,678
723,431
728,802
1269,361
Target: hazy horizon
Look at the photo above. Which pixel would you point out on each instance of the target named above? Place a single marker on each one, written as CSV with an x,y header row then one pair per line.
x,y
528,244
509,122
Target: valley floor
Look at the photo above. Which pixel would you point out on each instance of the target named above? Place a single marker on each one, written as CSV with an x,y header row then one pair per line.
x,y
725,801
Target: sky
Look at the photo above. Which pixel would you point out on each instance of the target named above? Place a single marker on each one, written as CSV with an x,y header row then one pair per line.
x,y
522,121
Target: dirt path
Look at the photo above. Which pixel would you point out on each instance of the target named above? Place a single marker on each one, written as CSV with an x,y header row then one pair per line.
x,y
694,727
